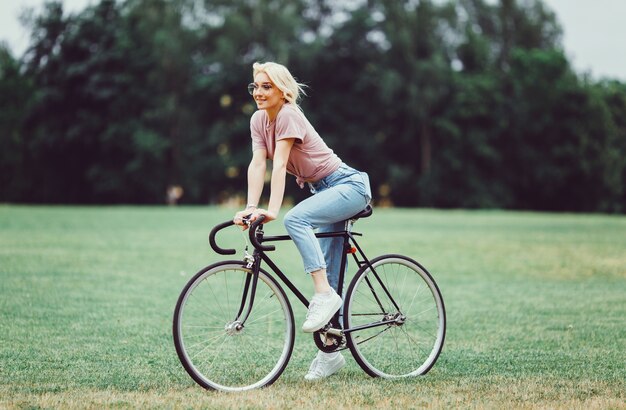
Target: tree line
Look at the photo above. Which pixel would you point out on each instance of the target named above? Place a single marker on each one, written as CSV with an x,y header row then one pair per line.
x,y
445,104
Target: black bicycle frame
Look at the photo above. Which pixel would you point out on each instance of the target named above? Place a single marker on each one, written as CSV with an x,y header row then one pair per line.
x,y
257,237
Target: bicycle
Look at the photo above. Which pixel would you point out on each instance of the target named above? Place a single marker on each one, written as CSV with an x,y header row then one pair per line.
x,y
234,327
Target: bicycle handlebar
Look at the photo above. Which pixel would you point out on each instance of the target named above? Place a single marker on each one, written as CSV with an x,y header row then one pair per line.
x,y
212,242
252,234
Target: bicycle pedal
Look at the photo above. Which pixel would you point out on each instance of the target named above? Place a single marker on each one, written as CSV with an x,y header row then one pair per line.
x,y
325,328
335,332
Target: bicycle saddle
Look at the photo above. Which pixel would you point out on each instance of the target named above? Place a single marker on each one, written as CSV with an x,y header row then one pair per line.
x,y
364,213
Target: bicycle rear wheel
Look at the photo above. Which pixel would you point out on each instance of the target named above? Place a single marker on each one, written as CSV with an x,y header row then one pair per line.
x,y
411,343
217,350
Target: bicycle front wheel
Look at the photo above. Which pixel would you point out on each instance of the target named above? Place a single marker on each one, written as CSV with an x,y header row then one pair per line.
x,y
218,350
399,317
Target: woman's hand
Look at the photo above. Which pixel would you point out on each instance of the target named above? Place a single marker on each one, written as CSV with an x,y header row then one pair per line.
x,y
269,215
238,219
253,214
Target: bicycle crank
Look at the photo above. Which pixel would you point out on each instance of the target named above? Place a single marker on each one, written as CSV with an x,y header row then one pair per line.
x,y
329,339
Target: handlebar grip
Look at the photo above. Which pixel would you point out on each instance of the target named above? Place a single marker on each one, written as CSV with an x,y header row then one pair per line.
x,y
253,238
214,231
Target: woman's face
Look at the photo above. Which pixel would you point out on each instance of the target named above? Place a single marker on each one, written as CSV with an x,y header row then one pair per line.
x,y
266,95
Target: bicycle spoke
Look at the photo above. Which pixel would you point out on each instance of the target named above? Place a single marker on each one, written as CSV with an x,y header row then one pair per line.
x,y
376,335
207,342
426,310
264,316
215,298
414,296
216,355
413,341
203,327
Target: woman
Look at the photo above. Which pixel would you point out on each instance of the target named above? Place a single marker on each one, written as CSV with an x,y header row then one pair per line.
x,y
282,133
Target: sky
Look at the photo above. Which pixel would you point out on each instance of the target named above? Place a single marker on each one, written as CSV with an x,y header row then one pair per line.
x,y
594,31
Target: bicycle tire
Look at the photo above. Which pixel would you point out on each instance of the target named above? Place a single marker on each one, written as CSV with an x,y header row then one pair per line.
x,y
409,346
214,352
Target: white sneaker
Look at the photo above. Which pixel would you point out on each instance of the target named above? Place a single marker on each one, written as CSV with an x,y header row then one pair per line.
x,y
324,365
321,310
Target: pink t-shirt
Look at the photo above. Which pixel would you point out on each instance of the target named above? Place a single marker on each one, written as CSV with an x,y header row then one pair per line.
x,y
310,158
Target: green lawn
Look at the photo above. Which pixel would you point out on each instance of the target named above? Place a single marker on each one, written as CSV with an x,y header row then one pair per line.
x,y
536,307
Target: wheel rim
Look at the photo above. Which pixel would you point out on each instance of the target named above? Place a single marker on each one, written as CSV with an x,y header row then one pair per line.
x,y
409,346
219,351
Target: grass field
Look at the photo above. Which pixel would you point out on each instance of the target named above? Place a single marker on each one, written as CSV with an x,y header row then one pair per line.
x,y
536,308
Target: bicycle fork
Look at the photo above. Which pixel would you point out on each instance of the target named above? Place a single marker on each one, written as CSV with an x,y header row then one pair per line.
x,y
249,289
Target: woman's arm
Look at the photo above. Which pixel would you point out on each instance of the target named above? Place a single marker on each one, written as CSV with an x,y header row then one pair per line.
x,y
256,176
256,180
279,173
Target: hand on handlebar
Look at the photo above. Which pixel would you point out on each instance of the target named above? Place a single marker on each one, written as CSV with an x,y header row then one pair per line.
x,y
241,218
245,218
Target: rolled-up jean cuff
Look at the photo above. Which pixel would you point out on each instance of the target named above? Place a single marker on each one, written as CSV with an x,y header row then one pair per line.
x,y
314,268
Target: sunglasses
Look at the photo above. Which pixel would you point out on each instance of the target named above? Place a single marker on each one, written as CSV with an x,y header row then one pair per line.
x,y
265,87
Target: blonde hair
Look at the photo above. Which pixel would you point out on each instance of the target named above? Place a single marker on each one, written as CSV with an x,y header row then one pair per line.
x,y
282,78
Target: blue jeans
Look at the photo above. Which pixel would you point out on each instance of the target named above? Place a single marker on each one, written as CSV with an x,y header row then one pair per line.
x,y
336,198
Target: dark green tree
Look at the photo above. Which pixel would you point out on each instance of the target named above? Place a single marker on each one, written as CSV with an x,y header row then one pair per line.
x,y
106,121
16,92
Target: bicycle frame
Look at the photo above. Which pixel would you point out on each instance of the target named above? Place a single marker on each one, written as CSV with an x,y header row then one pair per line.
x,y
350,246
